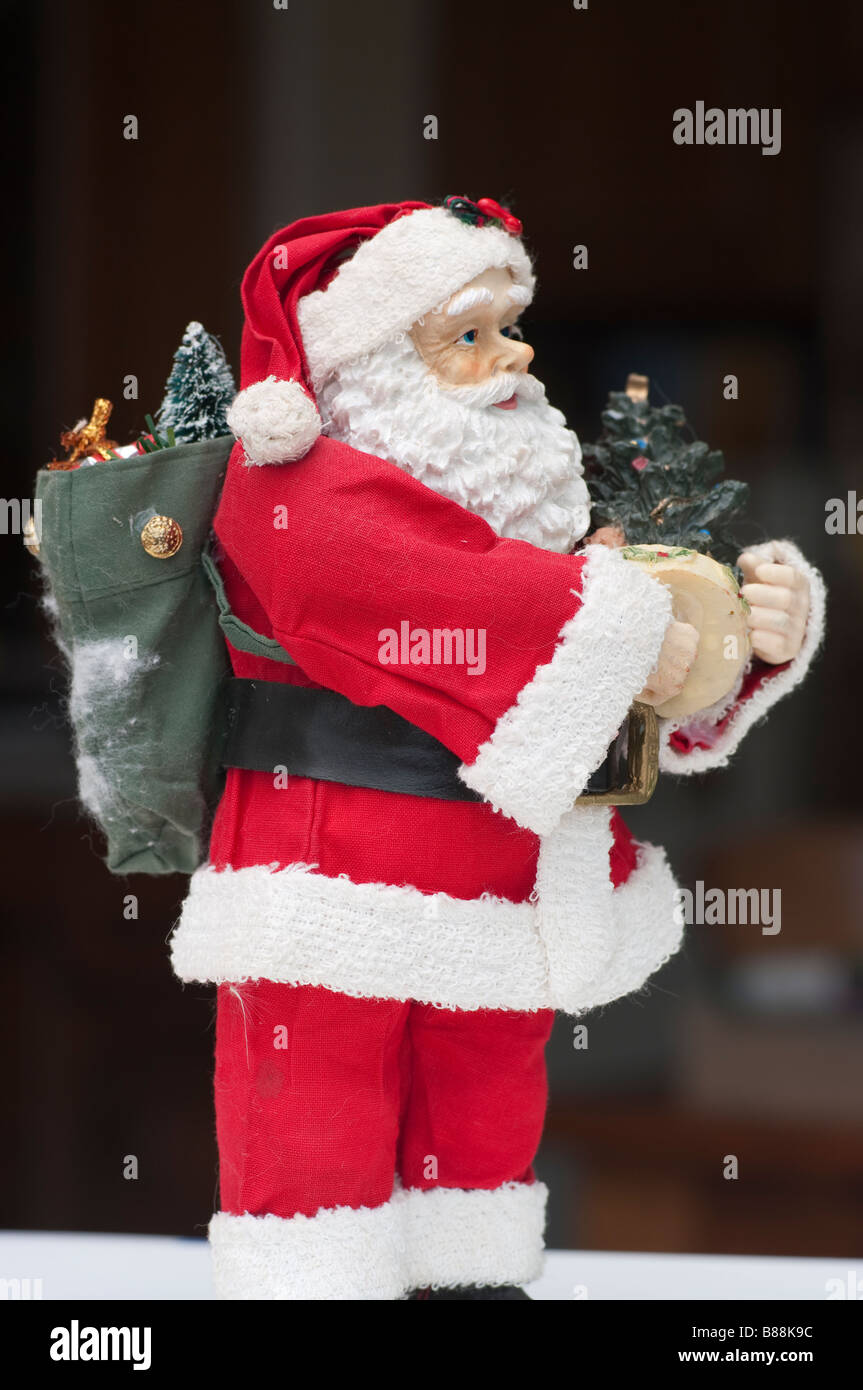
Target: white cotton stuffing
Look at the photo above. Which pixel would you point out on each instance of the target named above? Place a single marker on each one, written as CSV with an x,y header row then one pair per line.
x,y
50,607
101,673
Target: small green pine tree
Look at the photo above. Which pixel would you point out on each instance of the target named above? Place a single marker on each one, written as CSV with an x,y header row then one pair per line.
x,y
648,475
199,389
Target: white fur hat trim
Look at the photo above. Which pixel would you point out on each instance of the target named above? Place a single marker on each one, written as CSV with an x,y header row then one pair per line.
x,y
409,268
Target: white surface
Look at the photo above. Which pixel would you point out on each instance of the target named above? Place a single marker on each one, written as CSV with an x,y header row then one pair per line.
x,y
162,1267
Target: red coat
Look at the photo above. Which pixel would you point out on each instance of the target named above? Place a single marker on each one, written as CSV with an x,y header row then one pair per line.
x,y
517,901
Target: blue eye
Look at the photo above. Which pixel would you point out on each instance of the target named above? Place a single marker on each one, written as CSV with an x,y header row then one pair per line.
x,y
469,337
511,330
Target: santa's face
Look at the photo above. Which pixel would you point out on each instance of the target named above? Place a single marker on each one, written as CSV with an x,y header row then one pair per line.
x,y
475,336
453,404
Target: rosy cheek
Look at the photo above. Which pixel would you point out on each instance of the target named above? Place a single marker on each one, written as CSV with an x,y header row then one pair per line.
x,y
479,368
458,366
453,367
469,367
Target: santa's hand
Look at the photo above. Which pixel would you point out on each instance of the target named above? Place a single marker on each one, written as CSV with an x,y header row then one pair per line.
x,y
675,662
611,536
778,596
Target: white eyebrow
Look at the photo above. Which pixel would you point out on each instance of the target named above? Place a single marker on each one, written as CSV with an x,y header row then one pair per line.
x,y
469,299
519,294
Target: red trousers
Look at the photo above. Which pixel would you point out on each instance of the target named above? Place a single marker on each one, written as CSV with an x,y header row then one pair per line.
x,y
322,1099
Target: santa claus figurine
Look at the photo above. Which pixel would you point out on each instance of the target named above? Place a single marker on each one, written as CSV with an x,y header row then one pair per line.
x,y
401,889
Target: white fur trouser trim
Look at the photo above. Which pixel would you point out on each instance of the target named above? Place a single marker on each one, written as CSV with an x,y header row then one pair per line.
x,y
445,1237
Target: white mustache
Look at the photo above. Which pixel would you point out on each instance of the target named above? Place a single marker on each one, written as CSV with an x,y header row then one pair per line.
x,y
498,388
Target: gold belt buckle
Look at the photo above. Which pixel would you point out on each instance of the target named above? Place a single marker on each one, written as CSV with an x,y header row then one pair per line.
x,y
635,762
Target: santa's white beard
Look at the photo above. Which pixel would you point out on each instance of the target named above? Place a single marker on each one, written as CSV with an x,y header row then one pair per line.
x,y
518,469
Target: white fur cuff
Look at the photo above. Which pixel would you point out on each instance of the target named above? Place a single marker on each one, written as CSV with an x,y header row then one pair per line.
x,y
752,710
341,1253
444,1237
275,421
456,1237
545,747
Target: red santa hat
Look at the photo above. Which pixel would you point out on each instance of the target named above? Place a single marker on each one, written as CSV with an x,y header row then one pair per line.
x,y
328,290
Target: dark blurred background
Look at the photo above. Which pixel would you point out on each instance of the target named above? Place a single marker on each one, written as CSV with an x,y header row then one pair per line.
x,y
702,262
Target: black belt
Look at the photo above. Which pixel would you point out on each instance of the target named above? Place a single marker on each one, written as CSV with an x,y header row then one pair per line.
x,y
321,734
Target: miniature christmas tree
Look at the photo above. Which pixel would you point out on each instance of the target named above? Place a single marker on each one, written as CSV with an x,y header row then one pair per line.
x,y
199,389
649,476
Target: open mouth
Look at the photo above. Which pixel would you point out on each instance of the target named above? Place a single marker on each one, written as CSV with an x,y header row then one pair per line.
x,y
509,404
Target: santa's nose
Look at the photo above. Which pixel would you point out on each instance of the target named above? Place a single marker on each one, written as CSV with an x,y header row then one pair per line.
x,y
514,356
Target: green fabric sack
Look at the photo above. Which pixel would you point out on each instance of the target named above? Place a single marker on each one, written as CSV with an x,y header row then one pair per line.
x,y
143,636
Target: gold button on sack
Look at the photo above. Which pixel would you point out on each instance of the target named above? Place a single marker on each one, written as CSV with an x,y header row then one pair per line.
x,y
162,537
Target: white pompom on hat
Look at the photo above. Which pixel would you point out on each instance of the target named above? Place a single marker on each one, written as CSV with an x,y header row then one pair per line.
x,y
276,420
